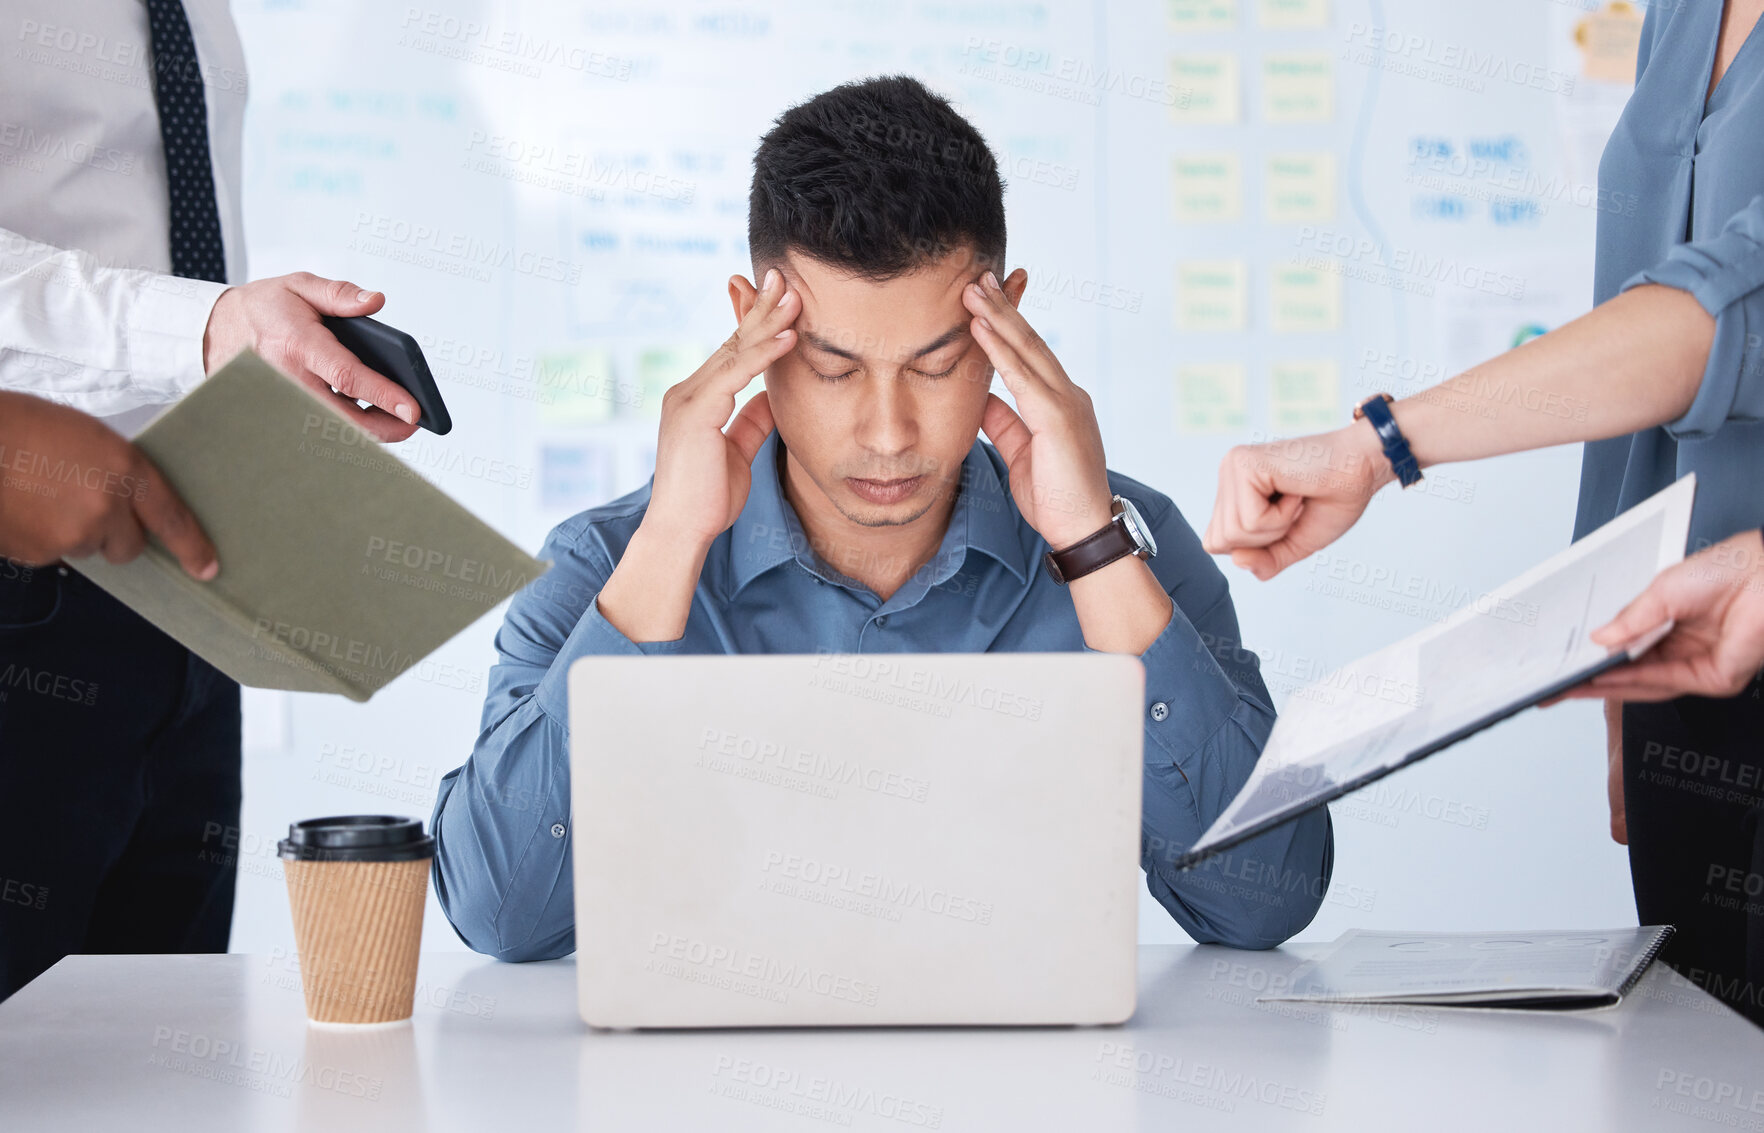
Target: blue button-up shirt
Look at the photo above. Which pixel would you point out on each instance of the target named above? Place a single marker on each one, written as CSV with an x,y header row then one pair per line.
x,y
501,823
1681,203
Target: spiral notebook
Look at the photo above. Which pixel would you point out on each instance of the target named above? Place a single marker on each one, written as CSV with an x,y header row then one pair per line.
x,y
1538,971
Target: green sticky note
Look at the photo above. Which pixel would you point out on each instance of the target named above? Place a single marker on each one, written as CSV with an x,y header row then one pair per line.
x,y
1207,187
576,387
1211,295
1303,394
1211,397
1298,86
659,367
1202,15
1303,300
1206,89
1300,188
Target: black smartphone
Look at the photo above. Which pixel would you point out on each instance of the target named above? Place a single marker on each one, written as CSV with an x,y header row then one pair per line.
x,y
396,355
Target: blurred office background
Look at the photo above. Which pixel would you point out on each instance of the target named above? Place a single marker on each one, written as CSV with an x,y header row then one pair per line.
x,y
1239,218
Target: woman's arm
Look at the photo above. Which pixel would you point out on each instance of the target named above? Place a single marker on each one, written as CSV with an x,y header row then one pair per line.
x,y
1672,349
1630,363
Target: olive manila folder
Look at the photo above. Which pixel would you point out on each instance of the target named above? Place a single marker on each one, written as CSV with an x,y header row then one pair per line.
x,y
340,566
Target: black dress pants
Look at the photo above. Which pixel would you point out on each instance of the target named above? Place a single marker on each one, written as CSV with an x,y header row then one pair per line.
x,y
119,781
1693,790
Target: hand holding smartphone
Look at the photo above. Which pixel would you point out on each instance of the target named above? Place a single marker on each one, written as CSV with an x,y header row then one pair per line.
x,y
396,355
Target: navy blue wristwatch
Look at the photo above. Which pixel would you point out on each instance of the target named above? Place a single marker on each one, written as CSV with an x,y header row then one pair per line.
x,y
1376,409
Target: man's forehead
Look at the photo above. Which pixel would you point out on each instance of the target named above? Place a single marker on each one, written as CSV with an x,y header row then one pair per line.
x,y
908,315
816,279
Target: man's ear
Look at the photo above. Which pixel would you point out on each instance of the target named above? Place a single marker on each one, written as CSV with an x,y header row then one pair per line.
x,y
1015,284
742,296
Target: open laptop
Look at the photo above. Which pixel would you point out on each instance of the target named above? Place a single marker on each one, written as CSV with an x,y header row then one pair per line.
x,y
856,839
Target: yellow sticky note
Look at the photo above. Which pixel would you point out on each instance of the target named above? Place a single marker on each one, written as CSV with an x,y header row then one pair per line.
x,y
1608,41
1202,15
1208,187
1298,86
1206,89
1302,395
1303,300
1292,13
1211,295
1211,397
1300,188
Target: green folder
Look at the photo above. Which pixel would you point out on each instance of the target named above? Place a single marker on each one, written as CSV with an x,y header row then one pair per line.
x,y
340,566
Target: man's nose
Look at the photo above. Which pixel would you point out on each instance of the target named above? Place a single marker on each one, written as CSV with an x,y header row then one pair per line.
x,y
887,416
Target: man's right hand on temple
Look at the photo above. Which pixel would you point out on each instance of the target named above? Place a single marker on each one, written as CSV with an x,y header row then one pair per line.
x,y
702,471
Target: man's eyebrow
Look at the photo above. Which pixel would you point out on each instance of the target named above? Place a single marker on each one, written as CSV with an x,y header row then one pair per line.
x,y
824,346
942,340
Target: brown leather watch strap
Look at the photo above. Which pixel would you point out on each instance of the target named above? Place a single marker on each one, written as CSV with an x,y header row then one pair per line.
x,y
1090,554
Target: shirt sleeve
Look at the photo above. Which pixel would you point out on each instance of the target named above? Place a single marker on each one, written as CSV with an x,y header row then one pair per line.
x,y
1207,716
502,821
1644,50
1725,274
100,339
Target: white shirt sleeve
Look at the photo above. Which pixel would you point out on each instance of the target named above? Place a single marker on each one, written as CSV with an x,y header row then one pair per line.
x,y
100,339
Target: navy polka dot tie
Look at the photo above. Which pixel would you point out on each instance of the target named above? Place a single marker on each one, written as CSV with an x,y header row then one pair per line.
x,y
196,250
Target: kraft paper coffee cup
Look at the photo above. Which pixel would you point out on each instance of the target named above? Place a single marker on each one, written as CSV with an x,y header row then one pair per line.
x,y
357,884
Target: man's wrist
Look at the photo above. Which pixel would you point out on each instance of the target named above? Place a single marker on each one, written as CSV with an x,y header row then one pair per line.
x,y
1366,459
166,323
669,541
648,597
1378,411
1083,517
210,361
1121,607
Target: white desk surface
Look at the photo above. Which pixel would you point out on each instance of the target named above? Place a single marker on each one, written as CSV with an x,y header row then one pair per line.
x,y
184,1043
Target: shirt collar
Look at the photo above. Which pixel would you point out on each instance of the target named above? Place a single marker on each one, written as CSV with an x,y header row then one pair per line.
x,y
768,534
984,504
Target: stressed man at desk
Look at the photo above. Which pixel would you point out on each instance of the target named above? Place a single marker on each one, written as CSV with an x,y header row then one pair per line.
x,y
850,507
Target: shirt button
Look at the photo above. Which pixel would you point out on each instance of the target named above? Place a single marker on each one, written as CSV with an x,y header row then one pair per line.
x,y
1160,711
557,830
881,620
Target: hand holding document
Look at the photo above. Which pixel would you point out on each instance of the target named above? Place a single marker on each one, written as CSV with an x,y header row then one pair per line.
x,y
340,568
1525,642
1715,602
72,486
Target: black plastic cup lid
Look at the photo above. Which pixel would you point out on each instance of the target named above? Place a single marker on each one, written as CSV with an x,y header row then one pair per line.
x,y
357,838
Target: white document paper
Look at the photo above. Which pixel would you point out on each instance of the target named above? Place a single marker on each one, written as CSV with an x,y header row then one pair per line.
x,y
1553,969
1513,647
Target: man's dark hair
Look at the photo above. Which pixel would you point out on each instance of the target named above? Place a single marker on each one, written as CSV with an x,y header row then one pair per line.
x,y
877,178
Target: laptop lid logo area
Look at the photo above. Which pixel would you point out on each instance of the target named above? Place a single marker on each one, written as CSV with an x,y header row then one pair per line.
x,y
850,840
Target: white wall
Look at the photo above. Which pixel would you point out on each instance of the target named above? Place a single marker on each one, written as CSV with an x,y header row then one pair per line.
x,y
538,181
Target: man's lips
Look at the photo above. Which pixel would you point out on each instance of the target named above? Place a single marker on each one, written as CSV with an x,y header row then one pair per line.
x,y
884,491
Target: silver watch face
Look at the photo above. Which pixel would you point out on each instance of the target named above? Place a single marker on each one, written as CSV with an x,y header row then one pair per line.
x,y
1137,529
